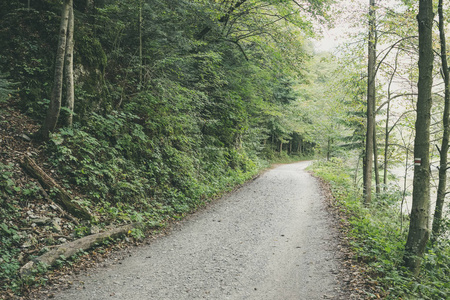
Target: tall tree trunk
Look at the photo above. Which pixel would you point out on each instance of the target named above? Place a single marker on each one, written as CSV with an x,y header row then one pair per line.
x,y
405,187
444,145
55,99
386,145
70,87
387,131
368,159
375,159
328,149
140,42
420,212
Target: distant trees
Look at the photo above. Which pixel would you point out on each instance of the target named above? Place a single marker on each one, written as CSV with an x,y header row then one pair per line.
x,y
324,108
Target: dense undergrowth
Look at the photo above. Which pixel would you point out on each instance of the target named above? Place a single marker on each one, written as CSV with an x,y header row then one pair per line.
x,y
121,175
114,159
378,234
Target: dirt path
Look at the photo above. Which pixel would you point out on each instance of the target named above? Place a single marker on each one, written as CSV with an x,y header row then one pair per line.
x,y
272,239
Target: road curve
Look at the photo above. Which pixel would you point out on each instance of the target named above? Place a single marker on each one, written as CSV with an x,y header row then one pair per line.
x,y
271,239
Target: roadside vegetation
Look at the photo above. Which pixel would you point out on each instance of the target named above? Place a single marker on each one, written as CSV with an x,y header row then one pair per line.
x,y
377,236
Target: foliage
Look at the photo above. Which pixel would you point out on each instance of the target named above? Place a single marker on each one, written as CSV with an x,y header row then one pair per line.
x,y
327,105
26,53
5,88
9,250
378,237
12,197
115,159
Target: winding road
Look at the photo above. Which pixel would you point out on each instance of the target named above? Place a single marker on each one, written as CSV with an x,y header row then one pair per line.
x,y
272,239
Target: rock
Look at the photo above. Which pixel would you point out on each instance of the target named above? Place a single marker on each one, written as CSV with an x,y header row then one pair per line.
x,y
95,229
31,214
24,137
56,225
30,242
42,221
27,244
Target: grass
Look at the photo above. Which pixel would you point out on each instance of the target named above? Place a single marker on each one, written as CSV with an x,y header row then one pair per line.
x,y
284,158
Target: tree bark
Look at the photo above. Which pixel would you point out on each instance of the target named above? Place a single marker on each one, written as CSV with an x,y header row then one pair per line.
x,y
140,42
54,108
70,86
368,159
387,131
419,221
441,191
386,145
328,149
375,159
67,250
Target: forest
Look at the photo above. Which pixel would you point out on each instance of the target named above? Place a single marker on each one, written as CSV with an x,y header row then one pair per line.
x,y
134,113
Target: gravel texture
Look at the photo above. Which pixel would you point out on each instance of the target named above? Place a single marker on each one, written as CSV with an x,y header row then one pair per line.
x,y
271,239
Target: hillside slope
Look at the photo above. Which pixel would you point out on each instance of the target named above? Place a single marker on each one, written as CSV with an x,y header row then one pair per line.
x,y
32,223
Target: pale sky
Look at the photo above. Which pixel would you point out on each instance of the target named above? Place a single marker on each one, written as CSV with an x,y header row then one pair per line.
x,y
350,20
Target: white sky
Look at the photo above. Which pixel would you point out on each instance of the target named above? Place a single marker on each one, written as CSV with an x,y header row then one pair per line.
x,y
349,20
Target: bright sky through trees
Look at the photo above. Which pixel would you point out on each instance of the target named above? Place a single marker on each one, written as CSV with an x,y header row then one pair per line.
x,y
349,21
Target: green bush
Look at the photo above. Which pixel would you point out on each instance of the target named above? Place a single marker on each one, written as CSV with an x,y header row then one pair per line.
x,y
122,159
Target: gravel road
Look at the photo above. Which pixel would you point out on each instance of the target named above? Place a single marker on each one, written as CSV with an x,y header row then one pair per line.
x,y
271,239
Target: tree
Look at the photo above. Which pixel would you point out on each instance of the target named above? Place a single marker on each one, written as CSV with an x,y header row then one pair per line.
x,y
322,108
141,4
70,86
54,108
443,151
370,133
418,234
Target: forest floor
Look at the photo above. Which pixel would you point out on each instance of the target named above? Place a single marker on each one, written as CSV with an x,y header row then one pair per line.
x,y
278,237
